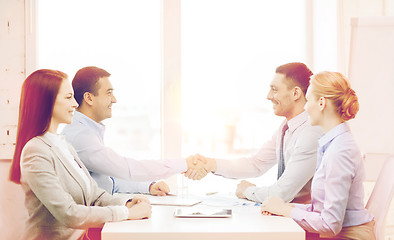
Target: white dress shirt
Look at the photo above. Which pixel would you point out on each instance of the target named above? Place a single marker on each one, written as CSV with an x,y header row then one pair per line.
x,y
337,187
105,165
60,142
300,146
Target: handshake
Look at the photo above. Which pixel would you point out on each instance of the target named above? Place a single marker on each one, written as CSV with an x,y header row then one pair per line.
x,y
199,166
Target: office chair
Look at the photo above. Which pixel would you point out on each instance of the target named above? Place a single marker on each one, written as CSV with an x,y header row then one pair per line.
x,y
379,202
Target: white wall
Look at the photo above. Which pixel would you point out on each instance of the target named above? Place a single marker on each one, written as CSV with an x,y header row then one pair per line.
x,y
371,99
12,208
12,70
12,74
372,76
348,9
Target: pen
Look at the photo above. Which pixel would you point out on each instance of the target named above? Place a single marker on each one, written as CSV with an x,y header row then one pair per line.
x,y
211,193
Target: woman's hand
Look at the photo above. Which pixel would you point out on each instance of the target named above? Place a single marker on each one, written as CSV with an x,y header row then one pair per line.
x,y
137,198
275,205
140,210
266,213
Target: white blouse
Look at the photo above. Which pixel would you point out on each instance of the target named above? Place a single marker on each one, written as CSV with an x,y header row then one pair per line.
x,y
60,142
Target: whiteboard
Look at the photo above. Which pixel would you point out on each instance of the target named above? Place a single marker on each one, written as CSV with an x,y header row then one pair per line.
x,y
371,73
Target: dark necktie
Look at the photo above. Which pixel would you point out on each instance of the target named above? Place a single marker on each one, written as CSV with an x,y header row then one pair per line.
x,y
281,163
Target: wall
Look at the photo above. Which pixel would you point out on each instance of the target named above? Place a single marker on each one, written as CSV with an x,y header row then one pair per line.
x,y
12,74
12,70
347,9
12,208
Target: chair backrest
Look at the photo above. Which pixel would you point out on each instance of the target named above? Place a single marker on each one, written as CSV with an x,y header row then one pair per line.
x,y
379,202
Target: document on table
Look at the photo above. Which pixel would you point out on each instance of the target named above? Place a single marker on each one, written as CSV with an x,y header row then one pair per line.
x,y
173,200
227,200
224,200
196,212
169,200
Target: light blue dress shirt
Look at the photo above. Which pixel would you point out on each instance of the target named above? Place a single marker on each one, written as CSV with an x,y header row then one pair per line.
x,y
337,187
113,172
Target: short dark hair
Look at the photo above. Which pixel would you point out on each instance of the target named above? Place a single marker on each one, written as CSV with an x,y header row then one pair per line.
x,y
298,72
85,80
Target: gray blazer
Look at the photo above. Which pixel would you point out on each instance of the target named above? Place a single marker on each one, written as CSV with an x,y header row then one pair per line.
x,y
58,205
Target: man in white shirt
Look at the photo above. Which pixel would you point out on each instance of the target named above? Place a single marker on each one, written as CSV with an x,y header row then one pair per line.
x,y
296,162
113,172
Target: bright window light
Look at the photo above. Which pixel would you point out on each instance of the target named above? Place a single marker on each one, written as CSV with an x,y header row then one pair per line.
x,y
122,37
230,50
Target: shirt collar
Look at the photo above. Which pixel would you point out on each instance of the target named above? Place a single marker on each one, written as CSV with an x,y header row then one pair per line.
x,y
333,133
297,121
55,137
82,118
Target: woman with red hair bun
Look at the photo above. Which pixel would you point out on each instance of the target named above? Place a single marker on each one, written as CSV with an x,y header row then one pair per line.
x,y
337,209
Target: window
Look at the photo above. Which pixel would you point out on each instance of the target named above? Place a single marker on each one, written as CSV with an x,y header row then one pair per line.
x,y
122,37
230,50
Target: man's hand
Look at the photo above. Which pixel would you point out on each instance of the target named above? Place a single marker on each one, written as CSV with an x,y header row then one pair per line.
x,y
195,168
199,166
159,189
275,205
241,187
209,163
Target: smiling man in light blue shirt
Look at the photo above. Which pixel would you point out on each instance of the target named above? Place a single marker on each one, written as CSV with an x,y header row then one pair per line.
x,y
113,172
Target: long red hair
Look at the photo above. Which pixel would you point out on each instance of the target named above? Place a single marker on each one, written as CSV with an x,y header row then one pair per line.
x,y
38,96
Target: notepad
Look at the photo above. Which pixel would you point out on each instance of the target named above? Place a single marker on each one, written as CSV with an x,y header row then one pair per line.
x,y
202,213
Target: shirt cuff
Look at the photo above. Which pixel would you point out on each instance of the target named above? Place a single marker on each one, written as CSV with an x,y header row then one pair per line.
x,y
125,214
179,165
250,193
120,213
298,214
221,167
144,187
302,206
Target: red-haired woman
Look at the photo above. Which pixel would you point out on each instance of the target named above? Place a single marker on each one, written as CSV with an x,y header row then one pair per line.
x,y
62,200
337,209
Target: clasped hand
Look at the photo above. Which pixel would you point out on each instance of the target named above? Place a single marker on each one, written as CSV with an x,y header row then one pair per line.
x,y
199,166
139,207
